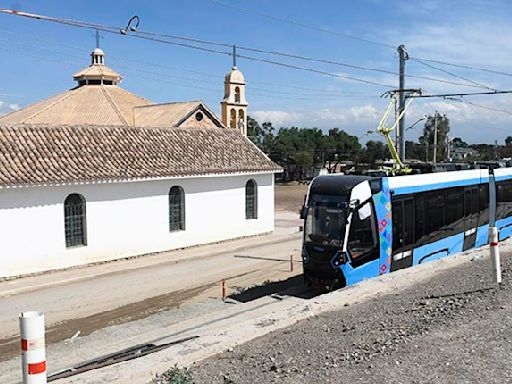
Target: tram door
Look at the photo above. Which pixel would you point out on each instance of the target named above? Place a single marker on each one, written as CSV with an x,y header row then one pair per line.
x,y
403,233
470,216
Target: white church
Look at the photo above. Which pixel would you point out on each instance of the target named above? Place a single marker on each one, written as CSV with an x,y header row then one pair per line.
x,y
97,173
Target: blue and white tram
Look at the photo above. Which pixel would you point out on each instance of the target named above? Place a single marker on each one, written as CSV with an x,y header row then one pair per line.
x,y
358,227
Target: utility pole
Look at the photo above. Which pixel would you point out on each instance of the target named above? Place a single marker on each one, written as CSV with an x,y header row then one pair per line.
x,y
435,138
401,100
448,149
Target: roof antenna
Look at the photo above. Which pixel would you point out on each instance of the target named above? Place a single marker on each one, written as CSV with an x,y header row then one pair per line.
x,y
98,38
234,56
129,27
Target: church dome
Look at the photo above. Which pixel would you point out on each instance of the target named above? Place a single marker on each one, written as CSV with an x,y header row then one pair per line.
x,y
235,76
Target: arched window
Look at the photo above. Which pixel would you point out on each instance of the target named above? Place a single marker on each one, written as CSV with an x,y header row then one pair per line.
x,y
237,94
232,120
176,209
251,200
74,220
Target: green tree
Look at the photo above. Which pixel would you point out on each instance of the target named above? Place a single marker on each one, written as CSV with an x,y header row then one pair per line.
x,y
443,128
375,151
508,141
459,143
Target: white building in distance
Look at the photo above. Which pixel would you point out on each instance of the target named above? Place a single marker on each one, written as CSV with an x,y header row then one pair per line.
x,y
97,173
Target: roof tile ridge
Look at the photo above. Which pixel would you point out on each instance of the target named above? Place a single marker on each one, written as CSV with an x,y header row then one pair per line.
x,y
114,106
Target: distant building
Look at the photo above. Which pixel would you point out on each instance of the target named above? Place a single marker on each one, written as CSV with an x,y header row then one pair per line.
x,y
97,173
459,154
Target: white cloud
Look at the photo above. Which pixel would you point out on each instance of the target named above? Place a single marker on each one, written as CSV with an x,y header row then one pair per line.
x,y
6,108
474,123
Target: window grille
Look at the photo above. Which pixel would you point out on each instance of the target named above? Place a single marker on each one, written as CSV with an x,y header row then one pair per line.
x,y
176,209
251,200
74,220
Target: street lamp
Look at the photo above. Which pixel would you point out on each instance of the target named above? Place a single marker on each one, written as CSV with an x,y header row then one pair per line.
x,y
412,126
368,133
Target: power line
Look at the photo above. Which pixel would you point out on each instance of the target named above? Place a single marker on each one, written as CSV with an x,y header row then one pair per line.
x,y
123,59
151,37
318,60
452,74
444,95
465,66
486,107
114,30
304,25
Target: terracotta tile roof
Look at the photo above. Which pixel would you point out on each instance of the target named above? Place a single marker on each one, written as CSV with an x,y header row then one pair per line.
x,y
39,154
171,114
90,104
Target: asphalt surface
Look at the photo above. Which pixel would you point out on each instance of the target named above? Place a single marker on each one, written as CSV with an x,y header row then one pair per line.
x,y
453,328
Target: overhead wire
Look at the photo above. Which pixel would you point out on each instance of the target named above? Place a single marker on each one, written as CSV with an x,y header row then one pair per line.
x,y
419,61
304,25
123,60
151,37
114,30
496,72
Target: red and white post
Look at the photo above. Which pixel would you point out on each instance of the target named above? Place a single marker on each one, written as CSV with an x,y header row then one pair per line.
x,y
33,356
495,254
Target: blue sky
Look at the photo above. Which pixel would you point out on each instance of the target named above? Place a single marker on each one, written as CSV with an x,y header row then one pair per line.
x,y
39,58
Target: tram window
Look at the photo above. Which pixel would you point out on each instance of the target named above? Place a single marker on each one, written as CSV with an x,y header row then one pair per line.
x,y
403,224
483,205
434,211
504,199
419,217
362,237
455,210
408,222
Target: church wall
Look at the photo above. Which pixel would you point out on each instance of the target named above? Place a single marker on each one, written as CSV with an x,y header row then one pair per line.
x,y
125,219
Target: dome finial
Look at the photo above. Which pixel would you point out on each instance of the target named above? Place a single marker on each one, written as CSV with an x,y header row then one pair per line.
x,y
234,56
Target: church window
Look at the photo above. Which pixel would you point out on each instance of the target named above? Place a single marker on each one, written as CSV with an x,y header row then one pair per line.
x,y
251,200
176,209
74,220
232,120
199,116
237,94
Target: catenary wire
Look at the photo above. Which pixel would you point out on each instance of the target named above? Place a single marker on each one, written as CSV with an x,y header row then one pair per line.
x,y
304,25
452,74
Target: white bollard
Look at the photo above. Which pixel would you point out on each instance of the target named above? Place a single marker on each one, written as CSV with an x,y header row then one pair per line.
x,y
33,357
495,254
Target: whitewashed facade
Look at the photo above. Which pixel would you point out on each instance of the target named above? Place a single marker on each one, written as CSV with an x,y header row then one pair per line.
x,y
125,219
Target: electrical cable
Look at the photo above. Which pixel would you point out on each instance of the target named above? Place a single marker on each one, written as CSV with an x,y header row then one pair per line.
x,y
464,66
304,25
114,30
452,74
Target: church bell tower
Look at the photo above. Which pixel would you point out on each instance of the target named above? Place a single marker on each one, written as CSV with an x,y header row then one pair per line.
x,y
234,105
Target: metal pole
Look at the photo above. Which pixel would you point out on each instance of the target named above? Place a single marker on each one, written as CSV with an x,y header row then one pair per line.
x,y
493,231
401,101
435,138
33,356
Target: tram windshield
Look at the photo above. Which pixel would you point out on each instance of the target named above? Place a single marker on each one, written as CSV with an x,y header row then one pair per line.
x,y
325,223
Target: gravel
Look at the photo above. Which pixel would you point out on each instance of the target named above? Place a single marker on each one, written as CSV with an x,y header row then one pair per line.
x,y
453,328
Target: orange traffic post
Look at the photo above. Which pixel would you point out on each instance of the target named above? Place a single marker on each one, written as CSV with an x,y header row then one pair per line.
x,y
223,287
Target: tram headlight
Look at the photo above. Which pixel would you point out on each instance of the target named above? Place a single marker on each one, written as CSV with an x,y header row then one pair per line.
x,y
305,256
337,260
